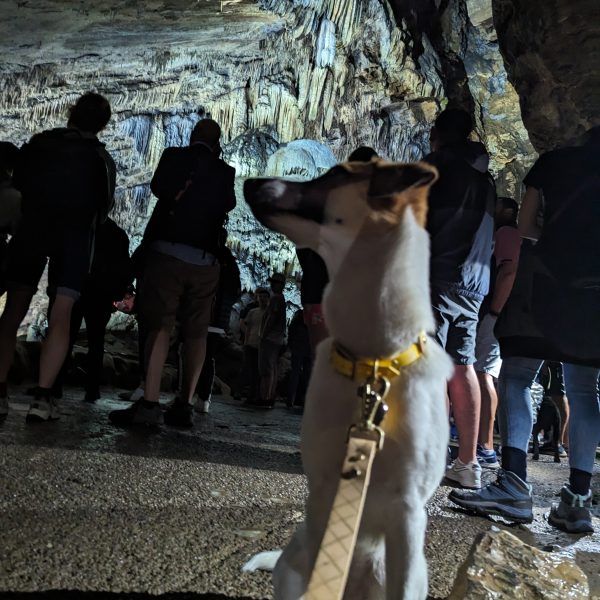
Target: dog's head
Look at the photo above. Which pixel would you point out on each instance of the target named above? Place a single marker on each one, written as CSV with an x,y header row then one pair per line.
x,y
354,199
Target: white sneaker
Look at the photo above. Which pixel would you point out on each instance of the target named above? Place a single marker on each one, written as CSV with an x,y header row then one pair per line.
x,y
467,476
3,408
202,406
43,409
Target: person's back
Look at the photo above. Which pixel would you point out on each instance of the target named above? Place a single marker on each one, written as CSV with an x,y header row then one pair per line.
x,y
67,179
460,218
111,270
569,180
194,188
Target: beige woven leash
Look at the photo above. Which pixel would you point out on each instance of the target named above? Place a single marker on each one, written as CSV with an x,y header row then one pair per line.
x,y
332,567
328,580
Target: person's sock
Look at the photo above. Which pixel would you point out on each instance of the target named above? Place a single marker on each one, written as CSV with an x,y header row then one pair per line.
x,y
580,481
515,461
3,389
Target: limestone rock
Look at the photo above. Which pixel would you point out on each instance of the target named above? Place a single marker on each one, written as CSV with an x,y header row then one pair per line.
x,y
502,566
552,51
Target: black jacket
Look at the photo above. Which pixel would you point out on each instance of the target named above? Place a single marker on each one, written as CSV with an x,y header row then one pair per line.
x,y
195,191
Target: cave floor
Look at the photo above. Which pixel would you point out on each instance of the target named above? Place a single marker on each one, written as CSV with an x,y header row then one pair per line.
x,y
90,511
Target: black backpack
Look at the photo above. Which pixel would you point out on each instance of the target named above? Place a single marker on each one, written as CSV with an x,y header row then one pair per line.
x,y
63,178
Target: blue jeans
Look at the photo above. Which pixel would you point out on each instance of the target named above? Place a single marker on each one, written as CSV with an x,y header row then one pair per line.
x,y
515,413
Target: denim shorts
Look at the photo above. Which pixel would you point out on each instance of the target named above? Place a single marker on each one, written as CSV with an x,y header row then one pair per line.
x,y
68,253
457,315
487,348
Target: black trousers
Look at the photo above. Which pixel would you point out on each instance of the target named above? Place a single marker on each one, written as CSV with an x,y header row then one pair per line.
x,y
96,312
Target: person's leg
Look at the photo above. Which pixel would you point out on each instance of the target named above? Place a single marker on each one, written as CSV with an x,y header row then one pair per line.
x,y
207,375
18,300
252,354
56,344
194,352
573,514
97,315
267,357
76,320
515,411
584,427
510,495
489,405
562,404
465,398
294,378
157,349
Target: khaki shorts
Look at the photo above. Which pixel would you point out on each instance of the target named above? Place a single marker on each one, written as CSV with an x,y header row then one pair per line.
x,y
175,291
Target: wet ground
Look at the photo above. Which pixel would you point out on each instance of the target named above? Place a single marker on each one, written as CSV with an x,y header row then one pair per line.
x,y
88,511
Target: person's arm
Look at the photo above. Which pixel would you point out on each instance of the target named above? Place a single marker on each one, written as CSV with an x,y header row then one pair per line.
x,y
528,213
506,252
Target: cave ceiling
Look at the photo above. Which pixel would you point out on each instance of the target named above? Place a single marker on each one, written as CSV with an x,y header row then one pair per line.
x,y
295,84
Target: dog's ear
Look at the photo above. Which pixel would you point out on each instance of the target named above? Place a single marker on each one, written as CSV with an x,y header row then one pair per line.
x,y
395,186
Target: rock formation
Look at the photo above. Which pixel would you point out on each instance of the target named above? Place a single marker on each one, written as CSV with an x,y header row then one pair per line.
x,y
502,566
333,73
552,52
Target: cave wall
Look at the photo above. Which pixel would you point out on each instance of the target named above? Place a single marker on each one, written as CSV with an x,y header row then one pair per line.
x,y
295,84
552,52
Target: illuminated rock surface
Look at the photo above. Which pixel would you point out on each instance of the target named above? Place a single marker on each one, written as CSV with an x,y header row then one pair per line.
x,y
500,565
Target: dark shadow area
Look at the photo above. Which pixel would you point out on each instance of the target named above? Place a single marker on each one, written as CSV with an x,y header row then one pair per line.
x,y
230,435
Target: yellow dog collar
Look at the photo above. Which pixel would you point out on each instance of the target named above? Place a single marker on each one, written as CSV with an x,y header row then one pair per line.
x,y
361,369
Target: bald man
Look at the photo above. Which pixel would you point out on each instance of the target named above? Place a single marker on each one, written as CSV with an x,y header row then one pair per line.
x,y
184,239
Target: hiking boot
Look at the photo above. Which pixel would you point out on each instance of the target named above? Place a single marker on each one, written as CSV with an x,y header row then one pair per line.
x,y
508,496
3,408
179,414
42,409
139,413
466,475
572,514
487,458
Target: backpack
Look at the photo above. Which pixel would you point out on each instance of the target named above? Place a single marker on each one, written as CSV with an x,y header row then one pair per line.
x,y
63,178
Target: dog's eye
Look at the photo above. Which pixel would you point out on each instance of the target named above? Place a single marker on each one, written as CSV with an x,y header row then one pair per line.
x,y
338,221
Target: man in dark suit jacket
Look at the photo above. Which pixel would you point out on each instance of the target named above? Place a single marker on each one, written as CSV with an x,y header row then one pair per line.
x,y
195,191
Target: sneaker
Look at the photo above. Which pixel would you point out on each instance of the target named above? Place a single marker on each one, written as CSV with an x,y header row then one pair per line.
x,y
139,413
179,415
562,451
43,409
3,408
508,496
466,475
572,514
487,458
202,406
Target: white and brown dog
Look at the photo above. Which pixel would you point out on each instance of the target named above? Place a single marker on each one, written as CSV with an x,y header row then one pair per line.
x,y
367,220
